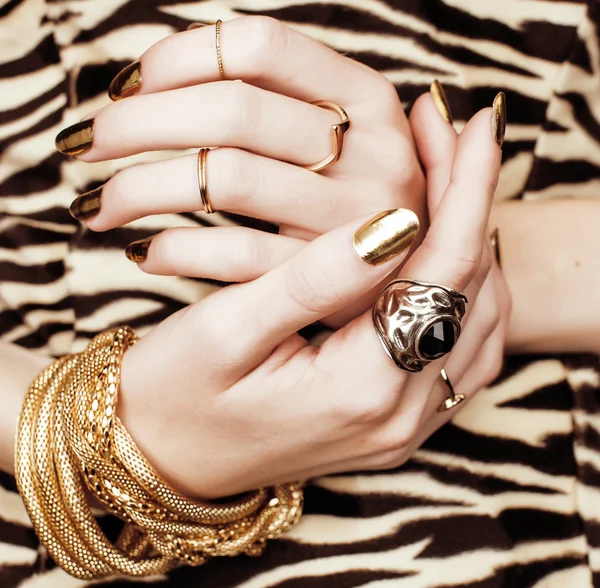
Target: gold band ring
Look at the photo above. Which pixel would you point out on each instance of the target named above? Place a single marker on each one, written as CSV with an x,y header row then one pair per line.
x,y
337,132
202,183
218,44
454,399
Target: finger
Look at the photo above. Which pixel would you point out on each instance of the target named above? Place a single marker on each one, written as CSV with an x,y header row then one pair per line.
x,y
226,254
485,367
482,322
238,182
436,142
321,279
450,255
261,51
230,114
452,250
390,447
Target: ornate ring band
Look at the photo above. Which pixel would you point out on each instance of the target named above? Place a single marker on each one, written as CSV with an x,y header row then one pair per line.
x,y
337,133
218,44
418,322
202,182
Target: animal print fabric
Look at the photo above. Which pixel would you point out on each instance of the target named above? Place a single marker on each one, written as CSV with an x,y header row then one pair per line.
x,y
508,494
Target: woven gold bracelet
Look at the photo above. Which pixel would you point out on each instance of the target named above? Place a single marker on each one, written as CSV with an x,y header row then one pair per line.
x,y
70,440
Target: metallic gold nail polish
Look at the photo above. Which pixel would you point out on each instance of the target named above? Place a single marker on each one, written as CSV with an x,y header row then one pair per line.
x,y
87,205
441,101
137,251
127,82
386,235
499,118
495,241
76,139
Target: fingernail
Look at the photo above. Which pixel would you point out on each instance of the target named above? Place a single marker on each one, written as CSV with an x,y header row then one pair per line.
x,y
495,241
441,101
386,235
137,251
127,82
195,25
499,118
76,139
87,205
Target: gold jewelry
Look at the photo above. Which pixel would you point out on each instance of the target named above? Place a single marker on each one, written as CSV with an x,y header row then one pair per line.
x,y
69,436
418,322
218,44
337,133
202,180
495,242
454,399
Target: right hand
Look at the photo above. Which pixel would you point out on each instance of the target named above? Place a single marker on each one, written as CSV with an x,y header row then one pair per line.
x,y
224,396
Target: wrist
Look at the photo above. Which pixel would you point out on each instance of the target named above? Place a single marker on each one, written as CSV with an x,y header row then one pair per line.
x,y
18,367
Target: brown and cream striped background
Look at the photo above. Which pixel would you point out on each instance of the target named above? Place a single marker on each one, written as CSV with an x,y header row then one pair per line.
x,y
508,495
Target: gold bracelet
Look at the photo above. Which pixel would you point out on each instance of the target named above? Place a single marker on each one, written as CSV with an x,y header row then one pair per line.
x,y
69,439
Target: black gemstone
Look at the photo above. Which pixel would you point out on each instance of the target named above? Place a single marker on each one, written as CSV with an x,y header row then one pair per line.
x,y
438,340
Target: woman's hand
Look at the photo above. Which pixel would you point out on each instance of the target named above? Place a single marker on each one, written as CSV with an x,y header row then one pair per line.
x,y
224,396
266,128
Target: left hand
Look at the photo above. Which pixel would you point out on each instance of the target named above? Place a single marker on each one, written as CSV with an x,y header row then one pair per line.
x,y
266,129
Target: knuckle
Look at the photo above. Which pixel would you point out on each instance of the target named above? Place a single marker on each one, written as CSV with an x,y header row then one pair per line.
x,y
311,288
266,37
387,95
240,107
219,338
397,438
461,259
238,180
250,256
366,409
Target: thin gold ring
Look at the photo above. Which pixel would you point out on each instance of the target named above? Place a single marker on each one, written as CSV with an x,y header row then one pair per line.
x,y
454,399
202,183
337,133
218,43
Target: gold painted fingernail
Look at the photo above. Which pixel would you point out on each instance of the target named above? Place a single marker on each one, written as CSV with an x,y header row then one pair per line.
x,y
127,82
495,241
87,205
499,118
441,101
76,139
386,235
137,251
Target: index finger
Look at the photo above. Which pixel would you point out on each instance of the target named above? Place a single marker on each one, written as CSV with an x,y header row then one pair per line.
x,y
260,50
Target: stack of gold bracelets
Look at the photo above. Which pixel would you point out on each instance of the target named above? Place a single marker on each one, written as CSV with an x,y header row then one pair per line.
x,y
71,444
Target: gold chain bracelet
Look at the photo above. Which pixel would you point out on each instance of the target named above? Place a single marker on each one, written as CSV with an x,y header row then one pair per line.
x,y
70,440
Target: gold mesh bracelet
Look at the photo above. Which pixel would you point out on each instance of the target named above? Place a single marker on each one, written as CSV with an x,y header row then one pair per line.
x,y
70,440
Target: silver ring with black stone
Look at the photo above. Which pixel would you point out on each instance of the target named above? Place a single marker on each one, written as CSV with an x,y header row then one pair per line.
x,y
418,322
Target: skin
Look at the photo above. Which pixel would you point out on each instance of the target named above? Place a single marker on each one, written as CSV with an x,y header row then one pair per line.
x,y
253,379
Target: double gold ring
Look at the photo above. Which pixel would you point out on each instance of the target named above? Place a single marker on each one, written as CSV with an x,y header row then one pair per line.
x,y
337,135
202,181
